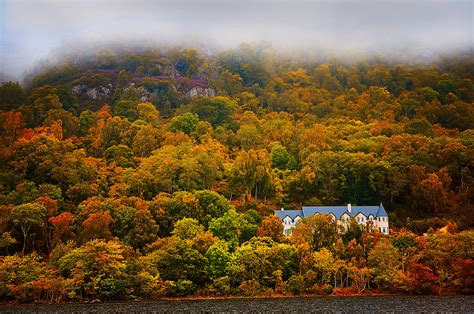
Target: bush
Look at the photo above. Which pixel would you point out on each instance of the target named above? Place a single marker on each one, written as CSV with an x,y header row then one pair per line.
x,y
327,289
17,275
111,288
148,285
295,284
27,279
423,225
250,287
221,285
184,287
323,289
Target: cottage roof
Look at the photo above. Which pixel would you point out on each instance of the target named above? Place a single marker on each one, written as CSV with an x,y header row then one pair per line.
x,y
337,211
291,213
381,211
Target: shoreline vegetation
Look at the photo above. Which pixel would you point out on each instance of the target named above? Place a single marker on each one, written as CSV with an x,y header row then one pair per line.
x,y
141,174
337,294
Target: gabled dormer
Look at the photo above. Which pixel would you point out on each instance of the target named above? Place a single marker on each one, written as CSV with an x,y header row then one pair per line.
x,y
361,218
345,217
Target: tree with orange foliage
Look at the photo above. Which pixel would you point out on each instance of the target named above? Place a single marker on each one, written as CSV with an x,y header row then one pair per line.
x,y
96,226
11,125
422,279
463,270
430,193
271,227
61,227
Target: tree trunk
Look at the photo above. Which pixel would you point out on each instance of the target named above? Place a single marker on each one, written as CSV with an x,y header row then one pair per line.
x,y
24,229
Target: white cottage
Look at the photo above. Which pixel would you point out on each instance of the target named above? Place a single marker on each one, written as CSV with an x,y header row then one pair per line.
x,y
342,214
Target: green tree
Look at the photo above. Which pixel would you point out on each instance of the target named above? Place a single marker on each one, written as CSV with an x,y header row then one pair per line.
x,y
126,109
218,257
187,228
231,227
383,259
12,95
185,123
175,259
213,205
280,157
216,110
28,216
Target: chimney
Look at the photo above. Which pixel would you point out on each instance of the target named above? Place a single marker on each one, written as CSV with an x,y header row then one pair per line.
x,y
349,208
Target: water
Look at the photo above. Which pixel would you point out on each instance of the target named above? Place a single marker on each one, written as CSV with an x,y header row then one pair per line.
x,y
378,304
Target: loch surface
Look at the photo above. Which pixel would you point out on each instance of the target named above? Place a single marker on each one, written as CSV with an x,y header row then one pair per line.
x,y
364,304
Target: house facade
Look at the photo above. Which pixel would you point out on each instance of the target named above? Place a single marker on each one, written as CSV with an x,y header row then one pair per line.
x,y
342,214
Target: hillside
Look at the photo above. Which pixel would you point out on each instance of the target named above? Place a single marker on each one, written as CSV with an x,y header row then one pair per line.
x,y
125,145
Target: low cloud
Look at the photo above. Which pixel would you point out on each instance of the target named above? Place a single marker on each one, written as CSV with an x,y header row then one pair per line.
x,y
32,29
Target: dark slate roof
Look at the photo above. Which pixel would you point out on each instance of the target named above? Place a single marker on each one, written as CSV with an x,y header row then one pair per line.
x,y
381,211
337,211
291,213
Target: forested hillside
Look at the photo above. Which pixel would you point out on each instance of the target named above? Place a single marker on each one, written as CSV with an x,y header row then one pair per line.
x,y
118,179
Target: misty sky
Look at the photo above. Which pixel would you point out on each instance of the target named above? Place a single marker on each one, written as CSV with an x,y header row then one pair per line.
x,y
30,30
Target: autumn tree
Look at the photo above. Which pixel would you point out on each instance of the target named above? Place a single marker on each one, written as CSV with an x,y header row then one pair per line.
x,y
61,227
319,231
27,216
97,226
271,227
252,172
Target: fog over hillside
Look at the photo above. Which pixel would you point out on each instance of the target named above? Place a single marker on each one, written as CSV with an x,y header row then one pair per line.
x,y
32,31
